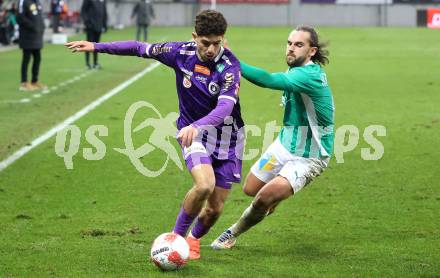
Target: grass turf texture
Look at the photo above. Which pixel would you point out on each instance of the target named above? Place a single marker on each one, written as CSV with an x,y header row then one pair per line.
x,y
360,219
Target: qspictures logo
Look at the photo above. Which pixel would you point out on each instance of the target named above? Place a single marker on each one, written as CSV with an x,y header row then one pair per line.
x,y
163,132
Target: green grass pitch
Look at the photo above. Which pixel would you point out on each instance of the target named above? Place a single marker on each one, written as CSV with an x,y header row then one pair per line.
x,y
359,219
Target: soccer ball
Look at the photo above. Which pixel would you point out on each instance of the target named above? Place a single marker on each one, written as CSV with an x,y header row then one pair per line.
x,y
170,251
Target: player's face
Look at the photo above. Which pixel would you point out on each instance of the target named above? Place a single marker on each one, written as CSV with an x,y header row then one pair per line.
x,y
298,49
208,47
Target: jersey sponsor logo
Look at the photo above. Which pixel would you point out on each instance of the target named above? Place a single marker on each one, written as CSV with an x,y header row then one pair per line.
x,y
187,81
187,52
201,79
229,80
224,57
202,69
283,101
267,163
186,72
161,49
196,147
237,89
213,88
188,44
324,80
220,67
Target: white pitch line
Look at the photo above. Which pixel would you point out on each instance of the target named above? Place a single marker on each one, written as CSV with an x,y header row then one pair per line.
x,y
18,154
49,90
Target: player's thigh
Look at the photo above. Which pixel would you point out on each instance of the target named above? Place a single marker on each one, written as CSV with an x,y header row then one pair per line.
x,y
273,192
203,176
266,167
199,164
252,185
301,171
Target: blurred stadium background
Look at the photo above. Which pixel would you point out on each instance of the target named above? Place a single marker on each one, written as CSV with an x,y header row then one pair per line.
x,y
408,13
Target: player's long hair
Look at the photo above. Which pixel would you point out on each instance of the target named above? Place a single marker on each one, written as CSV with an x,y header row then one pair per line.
x,y
321,55
210,22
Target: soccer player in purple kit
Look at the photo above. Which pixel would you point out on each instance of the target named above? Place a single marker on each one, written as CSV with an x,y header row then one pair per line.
x,y
207,82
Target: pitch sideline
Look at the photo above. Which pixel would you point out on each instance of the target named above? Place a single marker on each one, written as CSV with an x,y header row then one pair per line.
x,y
48,134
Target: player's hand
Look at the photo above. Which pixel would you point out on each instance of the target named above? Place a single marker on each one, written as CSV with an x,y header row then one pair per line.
x,y
80,46
187,134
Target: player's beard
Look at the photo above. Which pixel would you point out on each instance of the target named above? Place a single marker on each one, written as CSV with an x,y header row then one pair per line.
x,y
294,61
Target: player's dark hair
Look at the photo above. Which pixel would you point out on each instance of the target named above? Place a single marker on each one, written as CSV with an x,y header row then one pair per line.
x,y
321,55
210,22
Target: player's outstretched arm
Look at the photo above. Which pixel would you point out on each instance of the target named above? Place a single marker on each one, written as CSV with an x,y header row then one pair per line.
x,y
80,46
262,78
125,48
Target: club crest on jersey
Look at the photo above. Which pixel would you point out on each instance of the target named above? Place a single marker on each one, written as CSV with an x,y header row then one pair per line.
x,y
202,69
187,81
213,88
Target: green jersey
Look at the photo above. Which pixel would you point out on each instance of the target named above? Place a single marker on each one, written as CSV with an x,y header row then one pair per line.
x,y
309,109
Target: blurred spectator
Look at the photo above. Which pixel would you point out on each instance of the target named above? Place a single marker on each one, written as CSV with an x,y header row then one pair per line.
x,y
56,8
94,15
8,22
3,39
30,20
144,12
11,23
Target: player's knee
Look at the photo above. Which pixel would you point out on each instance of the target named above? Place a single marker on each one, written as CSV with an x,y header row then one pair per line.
x,y
249,191
203,191
213,213
204,188
263,201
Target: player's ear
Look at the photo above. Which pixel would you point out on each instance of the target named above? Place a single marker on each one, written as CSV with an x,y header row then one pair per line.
x,y
313,51
194,35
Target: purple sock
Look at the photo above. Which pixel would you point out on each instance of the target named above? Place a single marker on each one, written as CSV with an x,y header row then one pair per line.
x,y
183,222
199,229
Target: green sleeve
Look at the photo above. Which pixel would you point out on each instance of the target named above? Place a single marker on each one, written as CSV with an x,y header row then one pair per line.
x,y
262,78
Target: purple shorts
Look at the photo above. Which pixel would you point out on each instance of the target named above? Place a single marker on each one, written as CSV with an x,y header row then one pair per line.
x,y
226,171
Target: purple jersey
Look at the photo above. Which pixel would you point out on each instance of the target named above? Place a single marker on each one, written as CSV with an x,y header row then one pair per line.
x,y
200,84
201,88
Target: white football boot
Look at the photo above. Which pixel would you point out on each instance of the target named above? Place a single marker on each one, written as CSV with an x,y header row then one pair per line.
x,y
225,241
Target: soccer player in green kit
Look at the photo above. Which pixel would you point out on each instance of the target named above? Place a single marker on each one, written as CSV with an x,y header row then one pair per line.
x,y
303,149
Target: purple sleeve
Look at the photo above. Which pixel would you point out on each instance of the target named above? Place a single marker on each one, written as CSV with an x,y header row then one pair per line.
x,y
217,116
166,52
230,83
129,48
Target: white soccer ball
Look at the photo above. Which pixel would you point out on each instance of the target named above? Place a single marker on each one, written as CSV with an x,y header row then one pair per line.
x,y
170,251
